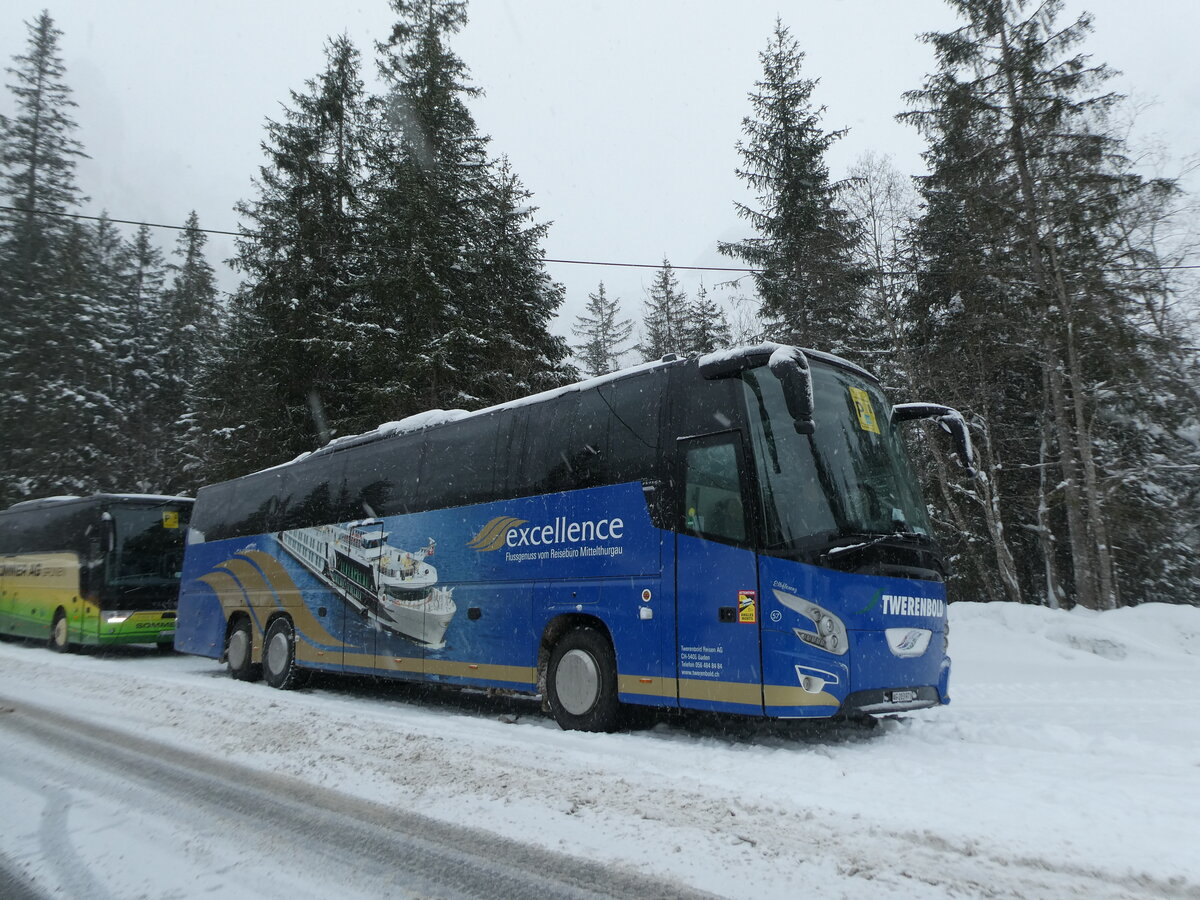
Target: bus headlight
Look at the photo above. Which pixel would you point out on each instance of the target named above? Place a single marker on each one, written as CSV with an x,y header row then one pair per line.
x,y
116,618
829,632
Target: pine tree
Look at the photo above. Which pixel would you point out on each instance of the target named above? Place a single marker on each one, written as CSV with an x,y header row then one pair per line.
x,y
809,284
455,254
193,319
37,159
429,172
665,322
140,344
40,280
707,326
508,351
298,316
1029,293
603,334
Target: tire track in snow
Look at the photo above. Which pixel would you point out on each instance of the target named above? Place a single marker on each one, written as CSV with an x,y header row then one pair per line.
x,y
397,848
414,749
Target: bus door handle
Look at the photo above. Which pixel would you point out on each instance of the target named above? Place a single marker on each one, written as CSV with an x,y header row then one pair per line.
x,y
727,614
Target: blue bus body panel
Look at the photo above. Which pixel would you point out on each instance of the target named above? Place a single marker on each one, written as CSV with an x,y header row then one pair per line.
x,y
870,607
719,662
509,568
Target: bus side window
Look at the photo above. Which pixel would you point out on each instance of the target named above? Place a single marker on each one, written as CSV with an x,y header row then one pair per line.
x,y
308,493
458,463
713,505
588,441
546,464
633,439
381,480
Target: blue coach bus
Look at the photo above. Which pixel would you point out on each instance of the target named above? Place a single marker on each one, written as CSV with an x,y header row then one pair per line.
x,y
738,533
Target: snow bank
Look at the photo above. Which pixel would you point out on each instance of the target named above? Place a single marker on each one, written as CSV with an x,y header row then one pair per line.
x,y
1068,764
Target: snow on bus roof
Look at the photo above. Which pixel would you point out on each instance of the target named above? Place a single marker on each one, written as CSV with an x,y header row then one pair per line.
x,y
769,347
432,417
72,498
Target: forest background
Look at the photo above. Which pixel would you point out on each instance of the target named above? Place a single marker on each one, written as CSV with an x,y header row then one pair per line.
x,y
391,260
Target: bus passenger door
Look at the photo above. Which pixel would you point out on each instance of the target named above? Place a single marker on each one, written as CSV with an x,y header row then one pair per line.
x,y
716,581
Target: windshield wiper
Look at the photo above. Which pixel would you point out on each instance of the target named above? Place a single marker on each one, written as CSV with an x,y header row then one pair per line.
x,y
905,554
865,539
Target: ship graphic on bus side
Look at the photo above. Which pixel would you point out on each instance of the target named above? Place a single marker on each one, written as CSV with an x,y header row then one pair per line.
x,y
396,590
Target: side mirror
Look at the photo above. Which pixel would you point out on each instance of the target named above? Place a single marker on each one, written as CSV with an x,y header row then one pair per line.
x,y
790,366
951,421
108,533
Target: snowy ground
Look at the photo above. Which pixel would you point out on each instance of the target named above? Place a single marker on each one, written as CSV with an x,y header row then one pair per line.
x,y
1067,765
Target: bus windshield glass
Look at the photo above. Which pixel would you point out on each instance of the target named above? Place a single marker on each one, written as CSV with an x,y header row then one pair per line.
x,y
148,544
850,478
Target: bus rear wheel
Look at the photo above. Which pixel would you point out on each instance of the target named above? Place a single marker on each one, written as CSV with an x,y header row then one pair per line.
x,y
238,649
58,633
279,655
581,682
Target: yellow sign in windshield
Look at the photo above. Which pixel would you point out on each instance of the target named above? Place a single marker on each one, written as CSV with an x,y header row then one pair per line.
x,y
866,412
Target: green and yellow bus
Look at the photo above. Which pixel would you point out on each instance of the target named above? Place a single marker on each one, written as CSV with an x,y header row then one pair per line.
x,y
95,571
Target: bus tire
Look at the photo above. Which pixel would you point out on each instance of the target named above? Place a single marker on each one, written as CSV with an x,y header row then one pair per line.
x,y
581,682
239,646
279,655
58,632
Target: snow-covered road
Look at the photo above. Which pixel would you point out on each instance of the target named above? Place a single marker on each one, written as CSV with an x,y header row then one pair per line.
x,y
1068,765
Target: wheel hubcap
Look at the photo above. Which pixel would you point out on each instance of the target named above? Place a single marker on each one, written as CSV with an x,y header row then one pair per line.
x,y
60,632
239,649
277,652
577,682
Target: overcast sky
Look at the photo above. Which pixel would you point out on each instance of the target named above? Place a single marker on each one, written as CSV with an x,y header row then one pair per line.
x,y
621,116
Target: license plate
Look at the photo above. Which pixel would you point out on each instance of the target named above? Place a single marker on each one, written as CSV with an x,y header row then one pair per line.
x,y
904,696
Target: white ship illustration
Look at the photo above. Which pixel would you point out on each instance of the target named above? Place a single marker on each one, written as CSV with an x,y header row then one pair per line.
x,y
392,588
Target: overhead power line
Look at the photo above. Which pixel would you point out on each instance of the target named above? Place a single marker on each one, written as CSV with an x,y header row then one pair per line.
x,y
744,270
254,235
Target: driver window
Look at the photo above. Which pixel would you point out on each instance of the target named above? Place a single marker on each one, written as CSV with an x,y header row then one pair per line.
x,y
713,504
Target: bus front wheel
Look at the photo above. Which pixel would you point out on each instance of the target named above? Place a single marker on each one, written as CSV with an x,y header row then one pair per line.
x,y
238,649
581,682
58,633
279,655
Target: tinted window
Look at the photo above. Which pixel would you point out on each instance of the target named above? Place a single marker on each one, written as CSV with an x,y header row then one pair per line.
x,y
316,492
703,405
588,441
381,478
459,463
148,543
546,466
713,503
634,404
48,529
246,506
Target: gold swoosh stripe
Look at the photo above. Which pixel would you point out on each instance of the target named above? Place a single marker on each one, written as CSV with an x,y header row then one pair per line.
x,y
492,536
489,671
720,691
233,598
790,695
291,598
259,596
228,591
487,532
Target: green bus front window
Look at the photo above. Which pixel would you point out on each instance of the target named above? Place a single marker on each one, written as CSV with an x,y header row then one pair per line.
x,y
147,545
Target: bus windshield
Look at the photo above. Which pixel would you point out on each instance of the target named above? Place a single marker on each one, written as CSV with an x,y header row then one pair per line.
x,y
148,544
850,478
